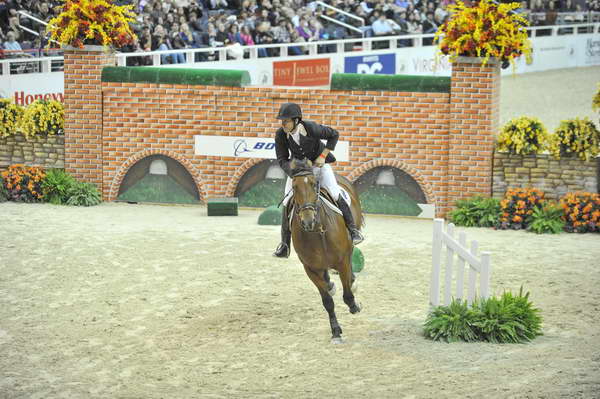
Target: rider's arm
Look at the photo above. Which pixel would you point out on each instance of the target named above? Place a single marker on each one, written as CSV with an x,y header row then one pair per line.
x,y
282,152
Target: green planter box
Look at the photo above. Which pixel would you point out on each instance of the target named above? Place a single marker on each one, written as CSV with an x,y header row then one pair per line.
x,y
222,207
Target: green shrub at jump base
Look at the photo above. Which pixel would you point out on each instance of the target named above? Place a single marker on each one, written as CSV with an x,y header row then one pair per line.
x,y
270,216
508,319
358,260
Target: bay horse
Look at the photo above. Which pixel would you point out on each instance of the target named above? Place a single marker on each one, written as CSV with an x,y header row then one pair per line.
x,y
321,239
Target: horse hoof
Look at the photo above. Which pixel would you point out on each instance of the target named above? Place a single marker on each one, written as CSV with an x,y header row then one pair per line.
x,y
355,309
332,289
337,340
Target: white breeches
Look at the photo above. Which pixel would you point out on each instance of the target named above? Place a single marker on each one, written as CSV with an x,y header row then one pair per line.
x,y
326,178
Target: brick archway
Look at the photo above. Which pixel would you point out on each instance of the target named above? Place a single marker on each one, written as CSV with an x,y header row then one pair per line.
x,y
239,173
132,160
412,172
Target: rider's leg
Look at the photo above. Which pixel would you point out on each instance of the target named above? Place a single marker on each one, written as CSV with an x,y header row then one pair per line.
x,y
357,237
327,179
283,249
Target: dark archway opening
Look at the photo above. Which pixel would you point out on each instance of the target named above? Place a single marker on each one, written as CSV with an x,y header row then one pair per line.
x,y
158,178
389,190
262,185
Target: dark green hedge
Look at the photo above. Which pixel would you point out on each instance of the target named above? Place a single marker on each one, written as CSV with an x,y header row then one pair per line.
x,y
408,83
186,76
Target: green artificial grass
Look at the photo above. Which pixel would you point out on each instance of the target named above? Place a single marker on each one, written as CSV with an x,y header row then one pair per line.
x,y
388,200
263,194
158,188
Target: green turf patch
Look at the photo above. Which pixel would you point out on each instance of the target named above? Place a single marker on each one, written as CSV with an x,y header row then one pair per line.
x,y
388,200
158,188
263,194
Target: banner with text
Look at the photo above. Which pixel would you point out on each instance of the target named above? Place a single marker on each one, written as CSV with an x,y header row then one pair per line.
x,y
301,73
250,147
26,88
371,64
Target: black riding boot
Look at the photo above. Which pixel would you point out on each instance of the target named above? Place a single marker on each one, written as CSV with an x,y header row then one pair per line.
x,y
357,237
283,249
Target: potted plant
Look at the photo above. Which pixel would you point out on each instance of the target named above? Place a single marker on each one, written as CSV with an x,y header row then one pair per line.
x,y
485,30
524,135
93,22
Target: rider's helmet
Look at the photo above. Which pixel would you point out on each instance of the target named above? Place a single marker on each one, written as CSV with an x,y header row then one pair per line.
x,y
289,111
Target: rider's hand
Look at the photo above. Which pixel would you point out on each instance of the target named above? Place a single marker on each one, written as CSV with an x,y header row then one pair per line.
x,y
320,161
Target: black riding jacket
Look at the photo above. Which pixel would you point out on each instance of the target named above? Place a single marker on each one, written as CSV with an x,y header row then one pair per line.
x,y
310,145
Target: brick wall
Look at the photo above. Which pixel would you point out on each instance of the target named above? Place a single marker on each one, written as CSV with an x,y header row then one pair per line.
x,y
83,112
443,141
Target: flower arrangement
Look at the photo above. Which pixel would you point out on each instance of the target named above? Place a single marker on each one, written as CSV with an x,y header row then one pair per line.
x,y
581,212
576,137
42,117
10,114
518,205
596,100
98,22
487,29
23,183
523,135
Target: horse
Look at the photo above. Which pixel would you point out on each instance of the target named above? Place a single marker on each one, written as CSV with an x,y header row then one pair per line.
x,y
321,239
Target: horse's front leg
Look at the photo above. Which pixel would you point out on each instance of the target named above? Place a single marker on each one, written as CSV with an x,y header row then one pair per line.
x,y
330,284
347,278
323,287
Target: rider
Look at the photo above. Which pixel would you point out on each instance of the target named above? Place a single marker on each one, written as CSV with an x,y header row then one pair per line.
x,y
302,139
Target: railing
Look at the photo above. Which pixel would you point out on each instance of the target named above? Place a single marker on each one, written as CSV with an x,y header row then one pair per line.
x,y
194,55
347,14
39,21
345,25
281,49
338,46
325,5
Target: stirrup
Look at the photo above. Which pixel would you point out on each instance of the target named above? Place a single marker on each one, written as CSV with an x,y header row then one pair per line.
x,y
356,236
282,251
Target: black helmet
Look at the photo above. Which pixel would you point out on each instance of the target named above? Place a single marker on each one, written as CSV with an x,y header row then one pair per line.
x,y
289,111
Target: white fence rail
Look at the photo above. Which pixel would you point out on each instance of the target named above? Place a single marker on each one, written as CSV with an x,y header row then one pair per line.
x,y
475,266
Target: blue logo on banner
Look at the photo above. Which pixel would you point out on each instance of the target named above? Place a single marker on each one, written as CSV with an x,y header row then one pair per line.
x,y
370,64
241,146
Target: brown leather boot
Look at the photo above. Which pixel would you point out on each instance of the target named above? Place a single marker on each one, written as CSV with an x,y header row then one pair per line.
x,y
355,234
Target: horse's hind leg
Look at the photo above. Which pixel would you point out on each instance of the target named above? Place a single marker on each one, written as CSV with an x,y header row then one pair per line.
x,y
319,281
347,278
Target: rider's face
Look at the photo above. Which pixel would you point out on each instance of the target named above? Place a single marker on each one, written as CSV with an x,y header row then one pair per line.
x,y
287,125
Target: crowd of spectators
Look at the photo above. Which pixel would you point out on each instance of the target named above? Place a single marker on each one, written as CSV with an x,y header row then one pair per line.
x,y
187,24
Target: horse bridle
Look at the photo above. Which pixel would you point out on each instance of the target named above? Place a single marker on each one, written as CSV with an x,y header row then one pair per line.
x,y
314,206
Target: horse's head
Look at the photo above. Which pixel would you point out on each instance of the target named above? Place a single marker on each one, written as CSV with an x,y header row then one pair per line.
x,y
305,188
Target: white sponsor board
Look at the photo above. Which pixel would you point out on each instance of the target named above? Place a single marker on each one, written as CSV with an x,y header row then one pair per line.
x,y
250,147
26,88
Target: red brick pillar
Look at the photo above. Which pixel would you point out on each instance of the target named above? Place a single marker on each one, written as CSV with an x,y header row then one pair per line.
x,y
474,115
83,112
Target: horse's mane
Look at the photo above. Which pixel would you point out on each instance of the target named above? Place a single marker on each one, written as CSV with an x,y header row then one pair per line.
x,y
301,167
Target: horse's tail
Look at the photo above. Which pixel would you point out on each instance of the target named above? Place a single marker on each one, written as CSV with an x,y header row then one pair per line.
x,y
356,207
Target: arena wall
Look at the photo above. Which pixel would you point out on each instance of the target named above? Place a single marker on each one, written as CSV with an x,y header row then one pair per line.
x,y
445,141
